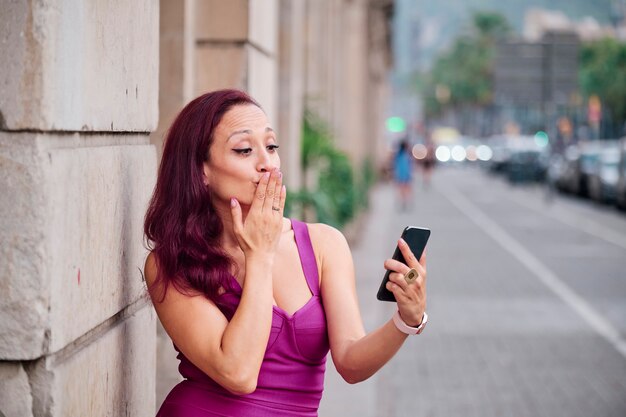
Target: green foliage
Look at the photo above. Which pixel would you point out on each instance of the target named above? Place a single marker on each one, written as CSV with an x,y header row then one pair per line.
x,y
316,141
603,73
365,181
465,71
338,194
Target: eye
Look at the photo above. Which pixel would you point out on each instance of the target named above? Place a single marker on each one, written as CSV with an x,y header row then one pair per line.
x,y
243,151
272,148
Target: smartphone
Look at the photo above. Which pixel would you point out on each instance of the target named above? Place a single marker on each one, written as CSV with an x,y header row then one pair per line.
x,y
416,238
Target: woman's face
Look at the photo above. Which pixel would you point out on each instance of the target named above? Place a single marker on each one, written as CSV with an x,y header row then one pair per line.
x,y
244,147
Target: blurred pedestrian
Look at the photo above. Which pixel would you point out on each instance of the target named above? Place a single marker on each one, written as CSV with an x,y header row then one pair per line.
x,y
254,301
403,173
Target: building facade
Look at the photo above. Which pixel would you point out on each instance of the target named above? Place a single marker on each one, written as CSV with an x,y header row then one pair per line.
x,y
85,102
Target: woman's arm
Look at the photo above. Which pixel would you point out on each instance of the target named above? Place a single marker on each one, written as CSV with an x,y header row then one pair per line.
x,y
231,353
358,355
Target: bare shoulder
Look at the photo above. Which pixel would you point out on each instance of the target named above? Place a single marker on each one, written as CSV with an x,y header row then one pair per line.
x,y
322,234
327,241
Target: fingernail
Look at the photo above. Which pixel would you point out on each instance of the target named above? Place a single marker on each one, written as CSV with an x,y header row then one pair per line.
x,y
266,175
233,202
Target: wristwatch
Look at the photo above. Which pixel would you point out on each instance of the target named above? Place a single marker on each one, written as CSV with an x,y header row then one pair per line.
x,y
405,328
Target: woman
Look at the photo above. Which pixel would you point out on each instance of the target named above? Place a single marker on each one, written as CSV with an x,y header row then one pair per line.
x,y
239,288
403,173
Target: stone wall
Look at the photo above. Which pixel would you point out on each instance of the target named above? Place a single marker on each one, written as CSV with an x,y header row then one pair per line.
x,y
77,102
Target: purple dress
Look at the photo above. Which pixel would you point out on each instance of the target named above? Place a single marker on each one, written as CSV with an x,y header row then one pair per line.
x,y
291,379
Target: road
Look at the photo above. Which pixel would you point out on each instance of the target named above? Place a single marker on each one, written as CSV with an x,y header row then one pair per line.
x,y
527,305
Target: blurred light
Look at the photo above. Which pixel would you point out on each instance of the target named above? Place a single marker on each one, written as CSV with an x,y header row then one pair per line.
x,y
470,153
458,153
484,152
442,93
396,124
419,151
541,139
445,135
442,153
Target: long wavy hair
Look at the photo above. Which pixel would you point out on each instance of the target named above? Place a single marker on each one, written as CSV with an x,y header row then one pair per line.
x,y
181,225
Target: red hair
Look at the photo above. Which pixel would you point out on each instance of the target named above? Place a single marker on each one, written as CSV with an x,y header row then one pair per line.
x,y
181,225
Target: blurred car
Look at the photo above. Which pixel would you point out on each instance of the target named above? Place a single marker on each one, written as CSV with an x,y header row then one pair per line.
x,y
565,173
589,155
602,180
518,158
526,165
580,161
500,154
620,187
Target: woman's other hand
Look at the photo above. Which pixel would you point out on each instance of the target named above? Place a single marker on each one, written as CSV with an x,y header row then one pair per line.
x,y
411,298
260,232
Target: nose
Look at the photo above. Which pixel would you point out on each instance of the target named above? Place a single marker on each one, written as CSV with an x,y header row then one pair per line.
x,y
266,162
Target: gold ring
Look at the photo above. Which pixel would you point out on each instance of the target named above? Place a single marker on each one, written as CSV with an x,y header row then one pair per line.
x,y
276,208
411,276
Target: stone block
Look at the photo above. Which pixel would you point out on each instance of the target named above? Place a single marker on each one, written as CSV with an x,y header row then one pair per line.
x,y
264,25
218,20
112,375
73,246
15,396
24,287
221,66
79,66
97,203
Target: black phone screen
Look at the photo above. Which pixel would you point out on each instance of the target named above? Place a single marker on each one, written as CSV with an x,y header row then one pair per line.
x,y
416,238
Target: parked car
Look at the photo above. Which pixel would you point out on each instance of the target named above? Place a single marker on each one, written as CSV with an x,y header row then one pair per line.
x,y
526,165
565,171
500,158
602,180
589,154
620,188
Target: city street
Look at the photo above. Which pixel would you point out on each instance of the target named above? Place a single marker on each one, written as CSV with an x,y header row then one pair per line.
x,y
527,305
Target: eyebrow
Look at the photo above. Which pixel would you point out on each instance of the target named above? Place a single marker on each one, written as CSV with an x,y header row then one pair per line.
x,y
247,131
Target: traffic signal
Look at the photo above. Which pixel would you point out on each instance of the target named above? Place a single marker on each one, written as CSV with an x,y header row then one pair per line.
x,y
396,124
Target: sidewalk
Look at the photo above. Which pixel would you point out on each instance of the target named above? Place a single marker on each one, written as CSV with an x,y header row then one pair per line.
x,y
499,342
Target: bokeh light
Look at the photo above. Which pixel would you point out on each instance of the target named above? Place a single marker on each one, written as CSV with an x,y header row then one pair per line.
x,y
419,151
458,153
442,153
470,153
396,124
541,139
484,153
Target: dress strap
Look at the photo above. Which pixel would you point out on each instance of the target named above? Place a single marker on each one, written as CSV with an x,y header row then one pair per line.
x,y
307,256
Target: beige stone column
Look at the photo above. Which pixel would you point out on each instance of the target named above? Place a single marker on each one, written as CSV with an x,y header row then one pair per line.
x,y
236,46
355,137
77,102
176,63
291,88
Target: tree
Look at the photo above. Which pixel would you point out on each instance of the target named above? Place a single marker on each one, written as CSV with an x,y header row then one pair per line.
x,y
603,73
463,75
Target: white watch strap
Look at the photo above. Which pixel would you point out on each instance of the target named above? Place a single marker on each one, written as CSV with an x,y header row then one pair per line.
x,y
405,328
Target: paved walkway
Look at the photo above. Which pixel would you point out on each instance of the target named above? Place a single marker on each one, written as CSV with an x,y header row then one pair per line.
x,y
501,340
